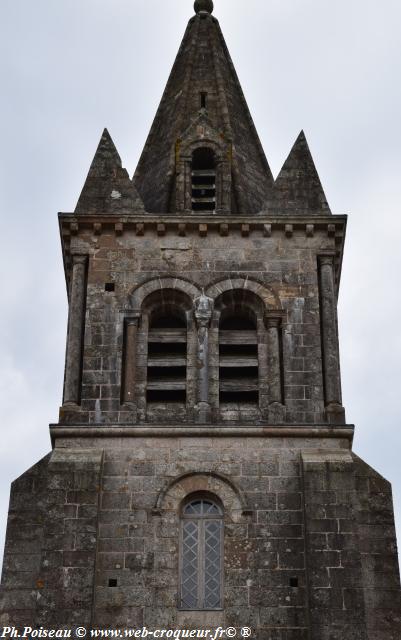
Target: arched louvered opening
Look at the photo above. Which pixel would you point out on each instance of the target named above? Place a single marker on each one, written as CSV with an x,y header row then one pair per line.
x,y
201,553
238,359
240,321
167,352
203,171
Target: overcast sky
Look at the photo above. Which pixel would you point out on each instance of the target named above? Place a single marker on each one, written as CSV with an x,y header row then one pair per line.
x,y
71,67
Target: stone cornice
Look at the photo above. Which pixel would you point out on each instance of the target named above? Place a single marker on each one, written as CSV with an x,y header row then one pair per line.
x,y
263,225
191,219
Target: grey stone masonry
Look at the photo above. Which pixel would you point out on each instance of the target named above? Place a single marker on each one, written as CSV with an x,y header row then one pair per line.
x,y
337,602
128,377
73,367
277,275
203,66
298,187
93,535
49,561
202,472
331,360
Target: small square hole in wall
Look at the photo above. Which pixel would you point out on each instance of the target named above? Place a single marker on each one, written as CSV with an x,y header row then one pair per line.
x,y
110,287
112,582
293,582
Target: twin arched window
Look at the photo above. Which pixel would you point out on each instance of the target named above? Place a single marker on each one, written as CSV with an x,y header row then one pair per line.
x,y
171,353
201,554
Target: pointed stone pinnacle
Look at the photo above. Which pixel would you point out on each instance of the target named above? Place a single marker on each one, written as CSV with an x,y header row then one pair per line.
x,y
298,188
107,188
203,5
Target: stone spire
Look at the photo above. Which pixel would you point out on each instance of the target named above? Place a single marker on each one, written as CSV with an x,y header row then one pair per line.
x,y
108,188
203,94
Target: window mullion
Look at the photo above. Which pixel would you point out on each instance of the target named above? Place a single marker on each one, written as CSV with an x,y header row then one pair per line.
x,y
201,565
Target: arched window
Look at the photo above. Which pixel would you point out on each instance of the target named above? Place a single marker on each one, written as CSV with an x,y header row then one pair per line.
x,y
167,355
238,357
203,180
201,554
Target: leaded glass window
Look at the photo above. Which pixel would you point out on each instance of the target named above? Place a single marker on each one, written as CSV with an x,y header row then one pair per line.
x,y
201,555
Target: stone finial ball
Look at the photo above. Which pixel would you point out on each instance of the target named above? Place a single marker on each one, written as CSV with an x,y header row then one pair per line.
x,y
203,5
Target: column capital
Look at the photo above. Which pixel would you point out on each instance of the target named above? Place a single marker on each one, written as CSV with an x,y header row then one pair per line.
x,y
274,319
132,319
78,258
326,259
203,310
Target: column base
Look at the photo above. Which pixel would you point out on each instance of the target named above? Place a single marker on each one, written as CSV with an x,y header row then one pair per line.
x,y
335,413
69,412
202,413
276,413
131,411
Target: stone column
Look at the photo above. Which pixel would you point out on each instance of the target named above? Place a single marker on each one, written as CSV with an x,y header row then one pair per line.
x,y
75,339
331,360
183,192
276,407
131,329
203,315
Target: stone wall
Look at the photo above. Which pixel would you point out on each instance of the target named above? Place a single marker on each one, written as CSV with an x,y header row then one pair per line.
x,y
300,562
282,269
50,552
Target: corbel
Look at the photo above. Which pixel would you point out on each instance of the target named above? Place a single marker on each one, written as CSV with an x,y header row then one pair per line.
x,y
223,230
119,228
267,230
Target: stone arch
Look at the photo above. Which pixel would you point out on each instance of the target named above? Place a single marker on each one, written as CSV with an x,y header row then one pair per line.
x,y
201,133
231,496
218,148
269,299
167,300
138,295
242,302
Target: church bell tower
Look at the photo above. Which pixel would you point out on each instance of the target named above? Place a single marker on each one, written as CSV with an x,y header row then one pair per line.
x,y
202,472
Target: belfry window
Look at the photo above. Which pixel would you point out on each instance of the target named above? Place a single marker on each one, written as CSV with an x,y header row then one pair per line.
x,y
238,358
167,357
203,171
201,555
